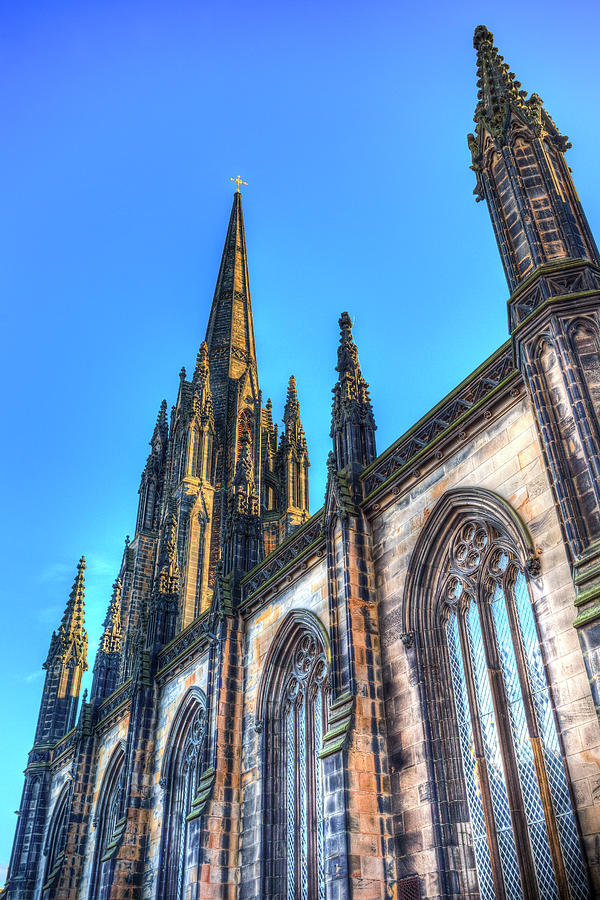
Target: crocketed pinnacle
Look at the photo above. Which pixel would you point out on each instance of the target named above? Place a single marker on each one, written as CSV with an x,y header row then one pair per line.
x,y
168,576
268,415
201,370
161,419
110,642
351,401
293,436
291,412
70,643
244,476
202,404
500,94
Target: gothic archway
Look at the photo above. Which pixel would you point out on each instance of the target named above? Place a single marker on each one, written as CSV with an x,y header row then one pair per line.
x,y
291,710
503,800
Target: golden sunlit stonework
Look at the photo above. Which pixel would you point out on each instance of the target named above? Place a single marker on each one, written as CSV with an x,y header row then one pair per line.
x,y
396,697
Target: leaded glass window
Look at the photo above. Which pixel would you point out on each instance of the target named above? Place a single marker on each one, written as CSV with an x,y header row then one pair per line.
x,y
294,822
524,833
180,782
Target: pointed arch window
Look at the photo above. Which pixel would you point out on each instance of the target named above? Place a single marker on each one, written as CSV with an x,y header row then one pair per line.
x,y
293,709
524,833
105,823
57,837
180,782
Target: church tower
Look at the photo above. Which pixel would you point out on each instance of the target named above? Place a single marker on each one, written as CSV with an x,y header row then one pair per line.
x,y
65,664
553,272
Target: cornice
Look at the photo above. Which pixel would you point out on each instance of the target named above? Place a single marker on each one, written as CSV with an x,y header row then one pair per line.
x,y
178,653
114,707
463,413
285,564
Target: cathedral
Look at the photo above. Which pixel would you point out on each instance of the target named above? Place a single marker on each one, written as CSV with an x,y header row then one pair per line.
x,y
396,696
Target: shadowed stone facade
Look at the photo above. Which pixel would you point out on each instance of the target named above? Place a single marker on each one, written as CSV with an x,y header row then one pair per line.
x,y
396,697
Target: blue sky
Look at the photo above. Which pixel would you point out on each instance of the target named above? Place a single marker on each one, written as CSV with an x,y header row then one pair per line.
x,y
122,124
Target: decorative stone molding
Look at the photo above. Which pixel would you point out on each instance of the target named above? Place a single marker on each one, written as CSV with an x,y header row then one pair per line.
x,y
473,392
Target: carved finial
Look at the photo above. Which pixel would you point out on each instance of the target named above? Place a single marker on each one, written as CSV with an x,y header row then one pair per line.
x,y
182,373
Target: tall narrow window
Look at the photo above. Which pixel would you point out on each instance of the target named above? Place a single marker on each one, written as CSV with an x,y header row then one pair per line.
x,y
180,781
105,821
524,834
294,713
57,837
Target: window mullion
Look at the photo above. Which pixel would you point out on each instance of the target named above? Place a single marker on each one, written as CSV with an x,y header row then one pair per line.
x,y
303,795
537,749
291,792
481,766
509,762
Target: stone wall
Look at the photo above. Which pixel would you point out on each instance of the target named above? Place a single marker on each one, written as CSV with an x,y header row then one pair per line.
x,y
505,458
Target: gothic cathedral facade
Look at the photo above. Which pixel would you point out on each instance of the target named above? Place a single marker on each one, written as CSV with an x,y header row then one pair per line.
x,y
396,697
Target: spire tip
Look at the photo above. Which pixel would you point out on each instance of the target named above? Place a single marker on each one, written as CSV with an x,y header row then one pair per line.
x,y
482,34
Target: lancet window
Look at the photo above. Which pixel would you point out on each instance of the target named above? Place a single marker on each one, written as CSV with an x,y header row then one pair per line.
x,y
180,782
525,838
57,834
105,823
294,711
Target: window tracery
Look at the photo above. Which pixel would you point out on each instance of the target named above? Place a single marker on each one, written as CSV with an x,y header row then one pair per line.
x,y
524,833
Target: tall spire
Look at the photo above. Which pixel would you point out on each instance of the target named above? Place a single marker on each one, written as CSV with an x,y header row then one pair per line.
x,y
352,422
230,332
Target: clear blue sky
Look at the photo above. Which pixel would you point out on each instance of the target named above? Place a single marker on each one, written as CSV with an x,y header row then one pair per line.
x,y
122,123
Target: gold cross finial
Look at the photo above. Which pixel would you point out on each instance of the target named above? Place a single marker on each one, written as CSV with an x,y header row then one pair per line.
x,y
238,181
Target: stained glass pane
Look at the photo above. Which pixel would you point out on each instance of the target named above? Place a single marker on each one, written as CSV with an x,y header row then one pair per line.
x,y
318,725
303,803
290,804
559,791
465,731
506,841
182,836
532,800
